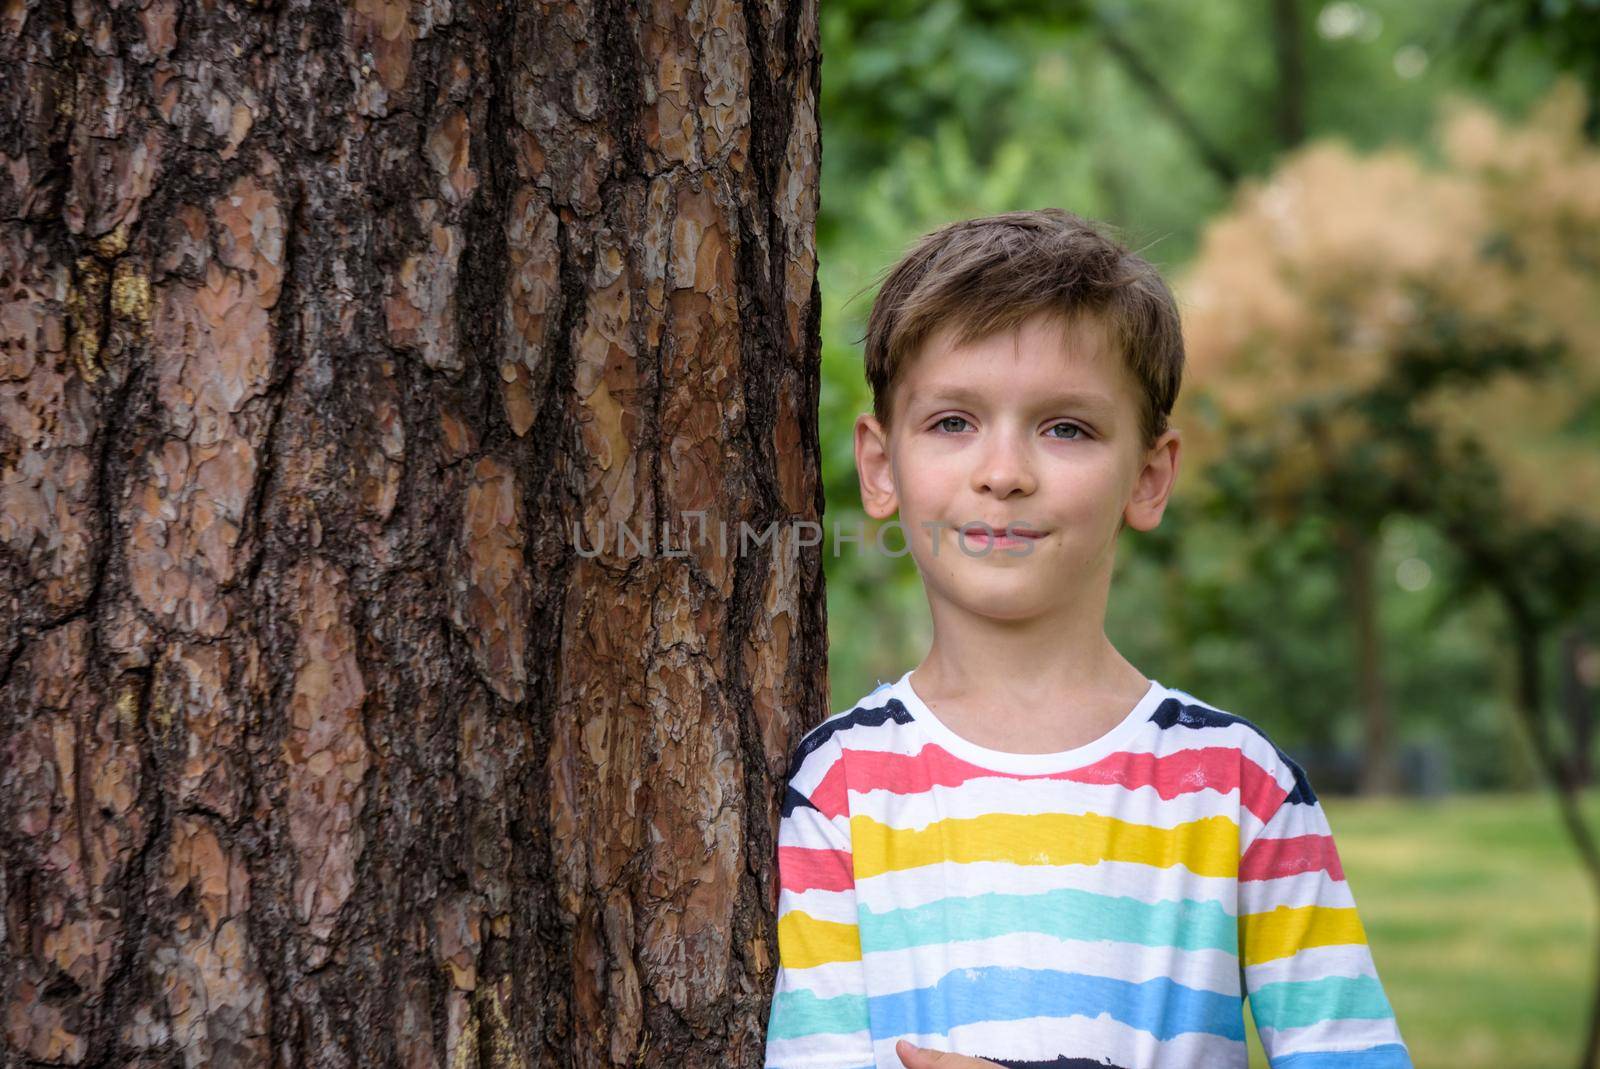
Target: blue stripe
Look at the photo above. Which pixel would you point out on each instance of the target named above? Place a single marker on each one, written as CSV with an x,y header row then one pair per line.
x,y
1383,1056
1160,1006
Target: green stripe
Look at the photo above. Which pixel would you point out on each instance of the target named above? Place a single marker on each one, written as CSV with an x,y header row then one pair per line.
x,y
802,1013
1066,913
1297,1003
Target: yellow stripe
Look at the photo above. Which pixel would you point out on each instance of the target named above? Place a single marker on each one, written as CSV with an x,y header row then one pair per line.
x,y
804,941
1288,929
1208,847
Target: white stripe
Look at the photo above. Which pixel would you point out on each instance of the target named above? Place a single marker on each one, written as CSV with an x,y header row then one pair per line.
x,y
1313,963
1293,821
893,737
805,827
825,981
1343,1034
1131,879
815,767
836,1050
924,966
1314,888
824,905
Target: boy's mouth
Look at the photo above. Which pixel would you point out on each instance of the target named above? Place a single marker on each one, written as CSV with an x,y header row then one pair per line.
x,y
979,530
998,537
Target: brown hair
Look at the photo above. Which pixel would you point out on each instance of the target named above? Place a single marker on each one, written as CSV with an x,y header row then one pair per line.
x,y
989,275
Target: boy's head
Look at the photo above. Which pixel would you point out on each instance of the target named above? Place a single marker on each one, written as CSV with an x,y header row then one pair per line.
x,y
1023,368
984,276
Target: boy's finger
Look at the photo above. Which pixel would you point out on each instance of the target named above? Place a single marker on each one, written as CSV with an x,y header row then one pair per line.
x,y
920,1058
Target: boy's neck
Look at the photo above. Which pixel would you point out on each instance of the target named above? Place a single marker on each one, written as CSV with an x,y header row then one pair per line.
x,y
984,665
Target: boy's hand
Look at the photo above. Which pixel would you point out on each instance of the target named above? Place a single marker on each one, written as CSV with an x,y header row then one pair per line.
x,y
921,1058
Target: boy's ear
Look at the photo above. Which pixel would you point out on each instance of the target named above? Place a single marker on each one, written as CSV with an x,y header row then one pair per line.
x,y
878,495
1154,483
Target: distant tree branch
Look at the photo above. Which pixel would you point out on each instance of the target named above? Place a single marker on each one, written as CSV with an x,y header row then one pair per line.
x,y
1214,158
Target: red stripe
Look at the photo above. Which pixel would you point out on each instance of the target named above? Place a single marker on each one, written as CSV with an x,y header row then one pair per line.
x,y
829,794
1258,791
801,868
1218,768
1267,859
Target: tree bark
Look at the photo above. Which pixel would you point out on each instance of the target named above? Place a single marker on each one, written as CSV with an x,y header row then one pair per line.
x,y
334,339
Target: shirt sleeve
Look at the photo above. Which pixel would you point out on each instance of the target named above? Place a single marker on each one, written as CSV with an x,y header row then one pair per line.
x,y
819,1003
1308,972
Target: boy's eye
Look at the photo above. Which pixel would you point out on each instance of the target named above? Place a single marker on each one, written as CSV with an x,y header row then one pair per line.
x,y
1071,431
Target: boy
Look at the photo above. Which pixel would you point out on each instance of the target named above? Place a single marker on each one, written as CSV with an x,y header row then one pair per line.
x,y
1023,850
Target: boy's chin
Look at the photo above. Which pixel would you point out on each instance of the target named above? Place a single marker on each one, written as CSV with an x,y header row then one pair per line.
x,y
1006,602
1019,613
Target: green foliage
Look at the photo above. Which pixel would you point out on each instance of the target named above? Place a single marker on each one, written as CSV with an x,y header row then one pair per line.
x,y
1494,32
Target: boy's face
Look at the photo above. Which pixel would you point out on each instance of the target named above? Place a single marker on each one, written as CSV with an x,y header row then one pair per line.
x,y
1039,429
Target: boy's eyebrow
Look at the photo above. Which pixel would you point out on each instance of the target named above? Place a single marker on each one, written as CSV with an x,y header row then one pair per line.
x,y
963,395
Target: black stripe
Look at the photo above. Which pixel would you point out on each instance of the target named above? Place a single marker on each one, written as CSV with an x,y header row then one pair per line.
x,y
793,799
1175,713
861,716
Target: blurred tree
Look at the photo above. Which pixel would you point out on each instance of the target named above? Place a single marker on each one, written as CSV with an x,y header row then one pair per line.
x,y
1568,31
1370,336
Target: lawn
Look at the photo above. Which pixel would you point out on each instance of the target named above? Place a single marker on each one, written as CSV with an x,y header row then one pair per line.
x,y
1481,922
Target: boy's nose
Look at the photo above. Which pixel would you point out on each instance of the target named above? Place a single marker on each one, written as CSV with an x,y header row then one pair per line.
x,y
1004,469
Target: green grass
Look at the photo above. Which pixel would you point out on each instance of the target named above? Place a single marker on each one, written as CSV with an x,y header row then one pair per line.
x,y
1482,924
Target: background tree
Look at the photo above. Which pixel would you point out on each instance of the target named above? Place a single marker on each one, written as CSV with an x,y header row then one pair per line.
x,y
1297,299
326,330
1368,335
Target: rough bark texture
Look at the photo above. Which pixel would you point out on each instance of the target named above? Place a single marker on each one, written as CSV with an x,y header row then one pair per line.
x,y
325,331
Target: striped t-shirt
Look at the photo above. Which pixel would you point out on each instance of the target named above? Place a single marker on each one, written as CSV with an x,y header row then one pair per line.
x,y
1110,905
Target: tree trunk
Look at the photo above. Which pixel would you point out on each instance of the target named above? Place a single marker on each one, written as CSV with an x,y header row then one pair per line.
x,y
1528,639
334,339
1289,56
1378,773
1578,663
